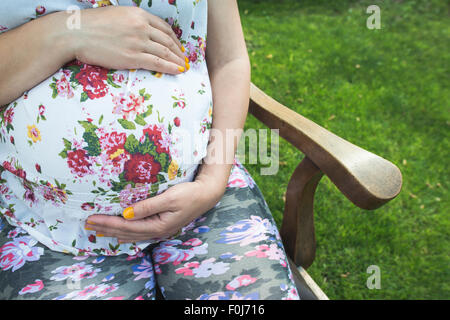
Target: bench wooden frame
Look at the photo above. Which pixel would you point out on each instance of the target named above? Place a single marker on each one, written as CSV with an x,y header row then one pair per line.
x,y
366,179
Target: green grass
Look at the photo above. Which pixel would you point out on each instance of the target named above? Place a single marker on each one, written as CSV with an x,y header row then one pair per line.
x,y
386,91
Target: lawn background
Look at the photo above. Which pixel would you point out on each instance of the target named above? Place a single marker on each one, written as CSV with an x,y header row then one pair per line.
x,y
386,91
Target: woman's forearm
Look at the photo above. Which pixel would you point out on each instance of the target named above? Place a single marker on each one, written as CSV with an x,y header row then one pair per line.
x,y
229,72
32,52
231,88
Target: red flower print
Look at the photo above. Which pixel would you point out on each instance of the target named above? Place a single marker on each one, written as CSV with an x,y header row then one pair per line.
x,y
176,121
142,169
92,238
40,10
113,144
110,142
178,31
78,162
29,195
156,135
93,78
38,167
87,206
41,109
172,2
8,116
193,57
18,172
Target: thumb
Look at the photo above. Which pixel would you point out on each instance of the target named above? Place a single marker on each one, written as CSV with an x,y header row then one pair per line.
x,y
148,207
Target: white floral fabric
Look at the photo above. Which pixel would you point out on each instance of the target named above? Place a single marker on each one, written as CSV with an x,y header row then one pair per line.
x,y
90,140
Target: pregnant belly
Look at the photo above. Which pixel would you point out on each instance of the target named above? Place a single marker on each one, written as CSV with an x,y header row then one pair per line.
x,y
93,138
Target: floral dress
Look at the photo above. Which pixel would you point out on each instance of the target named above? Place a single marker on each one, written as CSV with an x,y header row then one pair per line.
x,y
91,140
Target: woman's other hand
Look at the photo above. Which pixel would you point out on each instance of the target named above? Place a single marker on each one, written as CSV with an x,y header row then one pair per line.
x,y
161,216
126,37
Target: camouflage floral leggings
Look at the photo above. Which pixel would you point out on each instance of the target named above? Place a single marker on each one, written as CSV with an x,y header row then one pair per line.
x,y
233,251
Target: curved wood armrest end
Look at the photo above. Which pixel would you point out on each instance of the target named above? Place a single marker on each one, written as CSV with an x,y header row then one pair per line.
x,y
368,180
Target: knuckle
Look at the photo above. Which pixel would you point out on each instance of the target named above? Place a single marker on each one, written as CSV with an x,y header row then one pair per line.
x,y
166,53
147,207
157,62
172,199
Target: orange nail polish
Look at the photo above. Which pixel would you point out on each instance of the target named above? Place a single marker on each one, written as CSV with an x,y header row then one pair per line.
x,y
90,222
183,49
87,228
128,213
186,59
188,66
100,235
181,69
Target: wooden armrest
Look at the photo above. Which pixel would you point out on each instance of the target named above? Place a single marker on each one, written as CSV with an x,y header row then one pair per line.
x,y
366,179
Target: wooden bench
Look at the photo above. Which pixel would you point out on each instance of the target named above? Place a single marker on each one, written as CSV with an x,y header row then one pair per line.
x,y
366,179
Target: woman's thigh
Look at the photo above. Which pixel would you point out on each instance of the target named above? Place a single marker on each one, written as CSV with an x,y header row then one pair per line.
x,y
233,251
29,270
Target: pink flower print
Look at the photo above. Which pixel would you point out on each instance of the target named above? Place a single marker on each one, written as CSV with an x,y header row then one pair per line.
x,y
188,268
75,272
64,88
292,293
272,252
192,242
260,252
38,285
8,116
131,195
240,281
15,232
15,253
118,77
91,291
239,178
169,251
106,289
79,162
128,106
29,196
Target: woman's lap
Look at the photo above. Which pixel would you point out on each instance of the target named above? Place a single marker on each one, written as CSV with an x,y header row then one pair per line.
x,y
231,252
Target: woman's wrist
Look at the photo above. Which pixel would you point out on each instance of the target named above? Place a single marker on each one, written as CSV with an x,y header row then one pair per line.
x,y
214,179
63,36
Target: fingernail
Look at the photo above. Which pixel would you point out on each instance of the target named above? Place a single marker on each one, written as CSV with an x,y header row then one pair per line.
x,y
87,228
183,49
181,69
186,59
100,235
128,213
187,66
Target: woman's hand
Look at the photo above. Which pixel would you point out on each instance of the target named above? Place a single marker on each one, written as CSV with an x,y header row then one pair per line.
x,y
126,37
161,216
